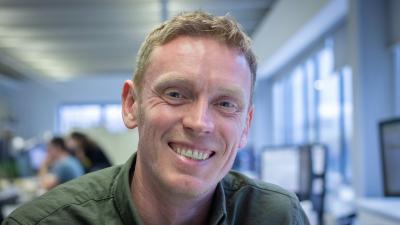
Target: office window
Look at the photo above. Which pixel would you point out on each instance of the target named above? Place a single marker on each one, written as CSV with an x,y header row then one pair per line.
x,y
113,118
297,81
328,113
313,104
311,99
325,60
346,121
85,116
278,109
328,108
79,116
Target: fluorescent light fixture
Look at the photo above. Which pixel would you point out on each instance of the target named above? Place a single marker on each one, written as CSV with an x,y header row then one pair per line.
x,y
45,64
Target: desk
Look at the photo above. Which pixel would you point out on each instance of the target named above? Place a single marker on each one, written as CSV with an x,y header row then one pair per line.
x,y
17,192
379,211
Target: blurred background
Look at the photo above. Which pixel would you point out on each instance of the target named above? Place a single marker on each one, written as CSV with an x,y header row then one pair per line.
x,y
327,97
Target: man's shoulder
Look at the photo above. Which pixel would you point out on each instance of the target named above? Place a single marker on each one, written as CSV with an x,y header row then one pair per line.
x,y
95,187
258,202
237,182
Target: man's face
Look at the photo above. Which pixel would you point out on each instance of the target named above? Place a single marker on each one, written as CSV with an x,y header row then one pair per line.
x,y
52,152
76,149
193,113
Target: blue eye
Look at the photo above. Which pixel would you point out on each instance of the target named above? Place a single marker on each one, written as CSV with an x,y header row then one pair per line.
x,y
174,94
226,104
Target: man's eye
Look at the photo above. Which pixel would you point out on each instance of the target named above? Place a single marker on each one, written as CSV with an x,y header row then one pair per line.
x,y
228,106
174,94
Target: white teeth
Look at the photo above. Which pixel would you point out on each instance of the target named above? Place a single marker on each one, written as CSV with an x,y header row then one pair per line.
x,y
192,154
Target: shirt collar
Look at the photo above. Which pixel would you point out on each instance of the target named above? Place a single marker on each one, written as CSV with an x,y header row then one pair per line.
x,y
218,207
122,194
128,211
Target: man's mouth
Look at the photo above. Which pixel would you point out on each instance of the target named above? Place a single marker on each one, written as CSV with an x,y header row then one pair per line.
x,y
191,153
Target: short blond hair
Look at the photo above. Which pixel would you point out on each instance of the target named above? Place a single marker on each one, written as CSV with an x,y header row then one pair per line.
x,y
197,24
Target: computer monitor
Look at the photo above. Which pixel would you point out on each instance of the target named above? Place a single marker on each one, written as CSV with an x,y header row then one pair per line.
x,y
390,151
288,167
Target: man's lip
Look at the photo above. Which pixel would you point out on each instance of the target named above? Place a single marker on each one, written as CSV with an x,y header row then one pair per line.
x,y
175,145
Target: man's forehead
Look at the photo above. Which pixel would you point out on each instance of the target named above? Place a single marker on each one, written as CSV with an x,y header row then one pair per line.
x,y
191,43
186,52
197,46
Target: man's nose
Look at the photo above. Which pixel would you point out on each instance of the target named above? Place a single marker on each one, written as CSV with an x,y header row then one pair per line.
x,y
198,119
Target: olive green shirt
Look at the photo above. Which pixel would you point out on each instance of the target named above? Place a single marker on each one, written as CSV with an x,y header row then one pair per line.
x,y
104,197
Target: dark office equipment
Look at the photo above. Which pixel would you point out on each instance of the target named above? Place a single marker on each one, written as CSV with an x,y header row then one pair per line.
x,y
319,161
300,169
347,219
390,152
9,196
29,160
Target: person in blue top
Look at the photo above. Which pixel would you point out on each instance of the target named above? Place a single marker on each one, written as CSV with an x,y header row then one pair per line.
x,y
59,166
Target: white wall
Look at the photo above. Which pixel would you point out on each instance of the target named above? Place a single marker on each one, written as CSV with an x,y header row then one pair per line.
x,y
117,146
35,105
373,89
283,22
4,114
394,7
397,80
7,87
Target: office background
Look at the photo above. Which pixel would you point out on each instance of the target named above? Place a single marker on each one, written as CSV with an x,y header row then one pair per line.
x,y
329,73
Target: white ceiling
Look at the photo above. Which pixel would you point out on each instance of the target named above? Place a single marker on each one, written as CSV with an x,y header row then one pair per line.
x,y
63,39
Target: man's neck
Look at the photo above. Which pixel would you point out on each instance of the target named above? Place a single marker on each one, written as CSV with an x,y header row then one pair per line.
x,y
157,206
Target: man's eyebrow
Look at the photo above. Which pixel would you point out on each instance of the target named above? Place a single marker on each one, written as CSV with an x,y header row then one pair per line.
x,y
170,81
227,90
232,91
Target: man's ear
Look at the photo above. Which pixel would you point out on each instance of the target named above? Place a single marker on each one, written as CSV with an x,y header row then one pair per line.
x,y
129,104
249,119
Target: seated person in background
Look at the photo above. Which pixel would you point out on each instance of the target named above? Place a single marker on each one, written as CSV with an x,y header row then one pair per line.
x,y
87,151
59,166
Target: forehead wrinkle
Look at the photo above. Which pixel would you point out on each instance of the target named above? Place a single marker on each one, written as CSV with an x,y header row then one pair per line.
x,y
183,58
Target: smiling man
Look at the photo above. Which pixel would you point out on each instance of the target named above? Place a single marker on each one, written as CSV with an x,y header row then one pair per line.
x,y
191,102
